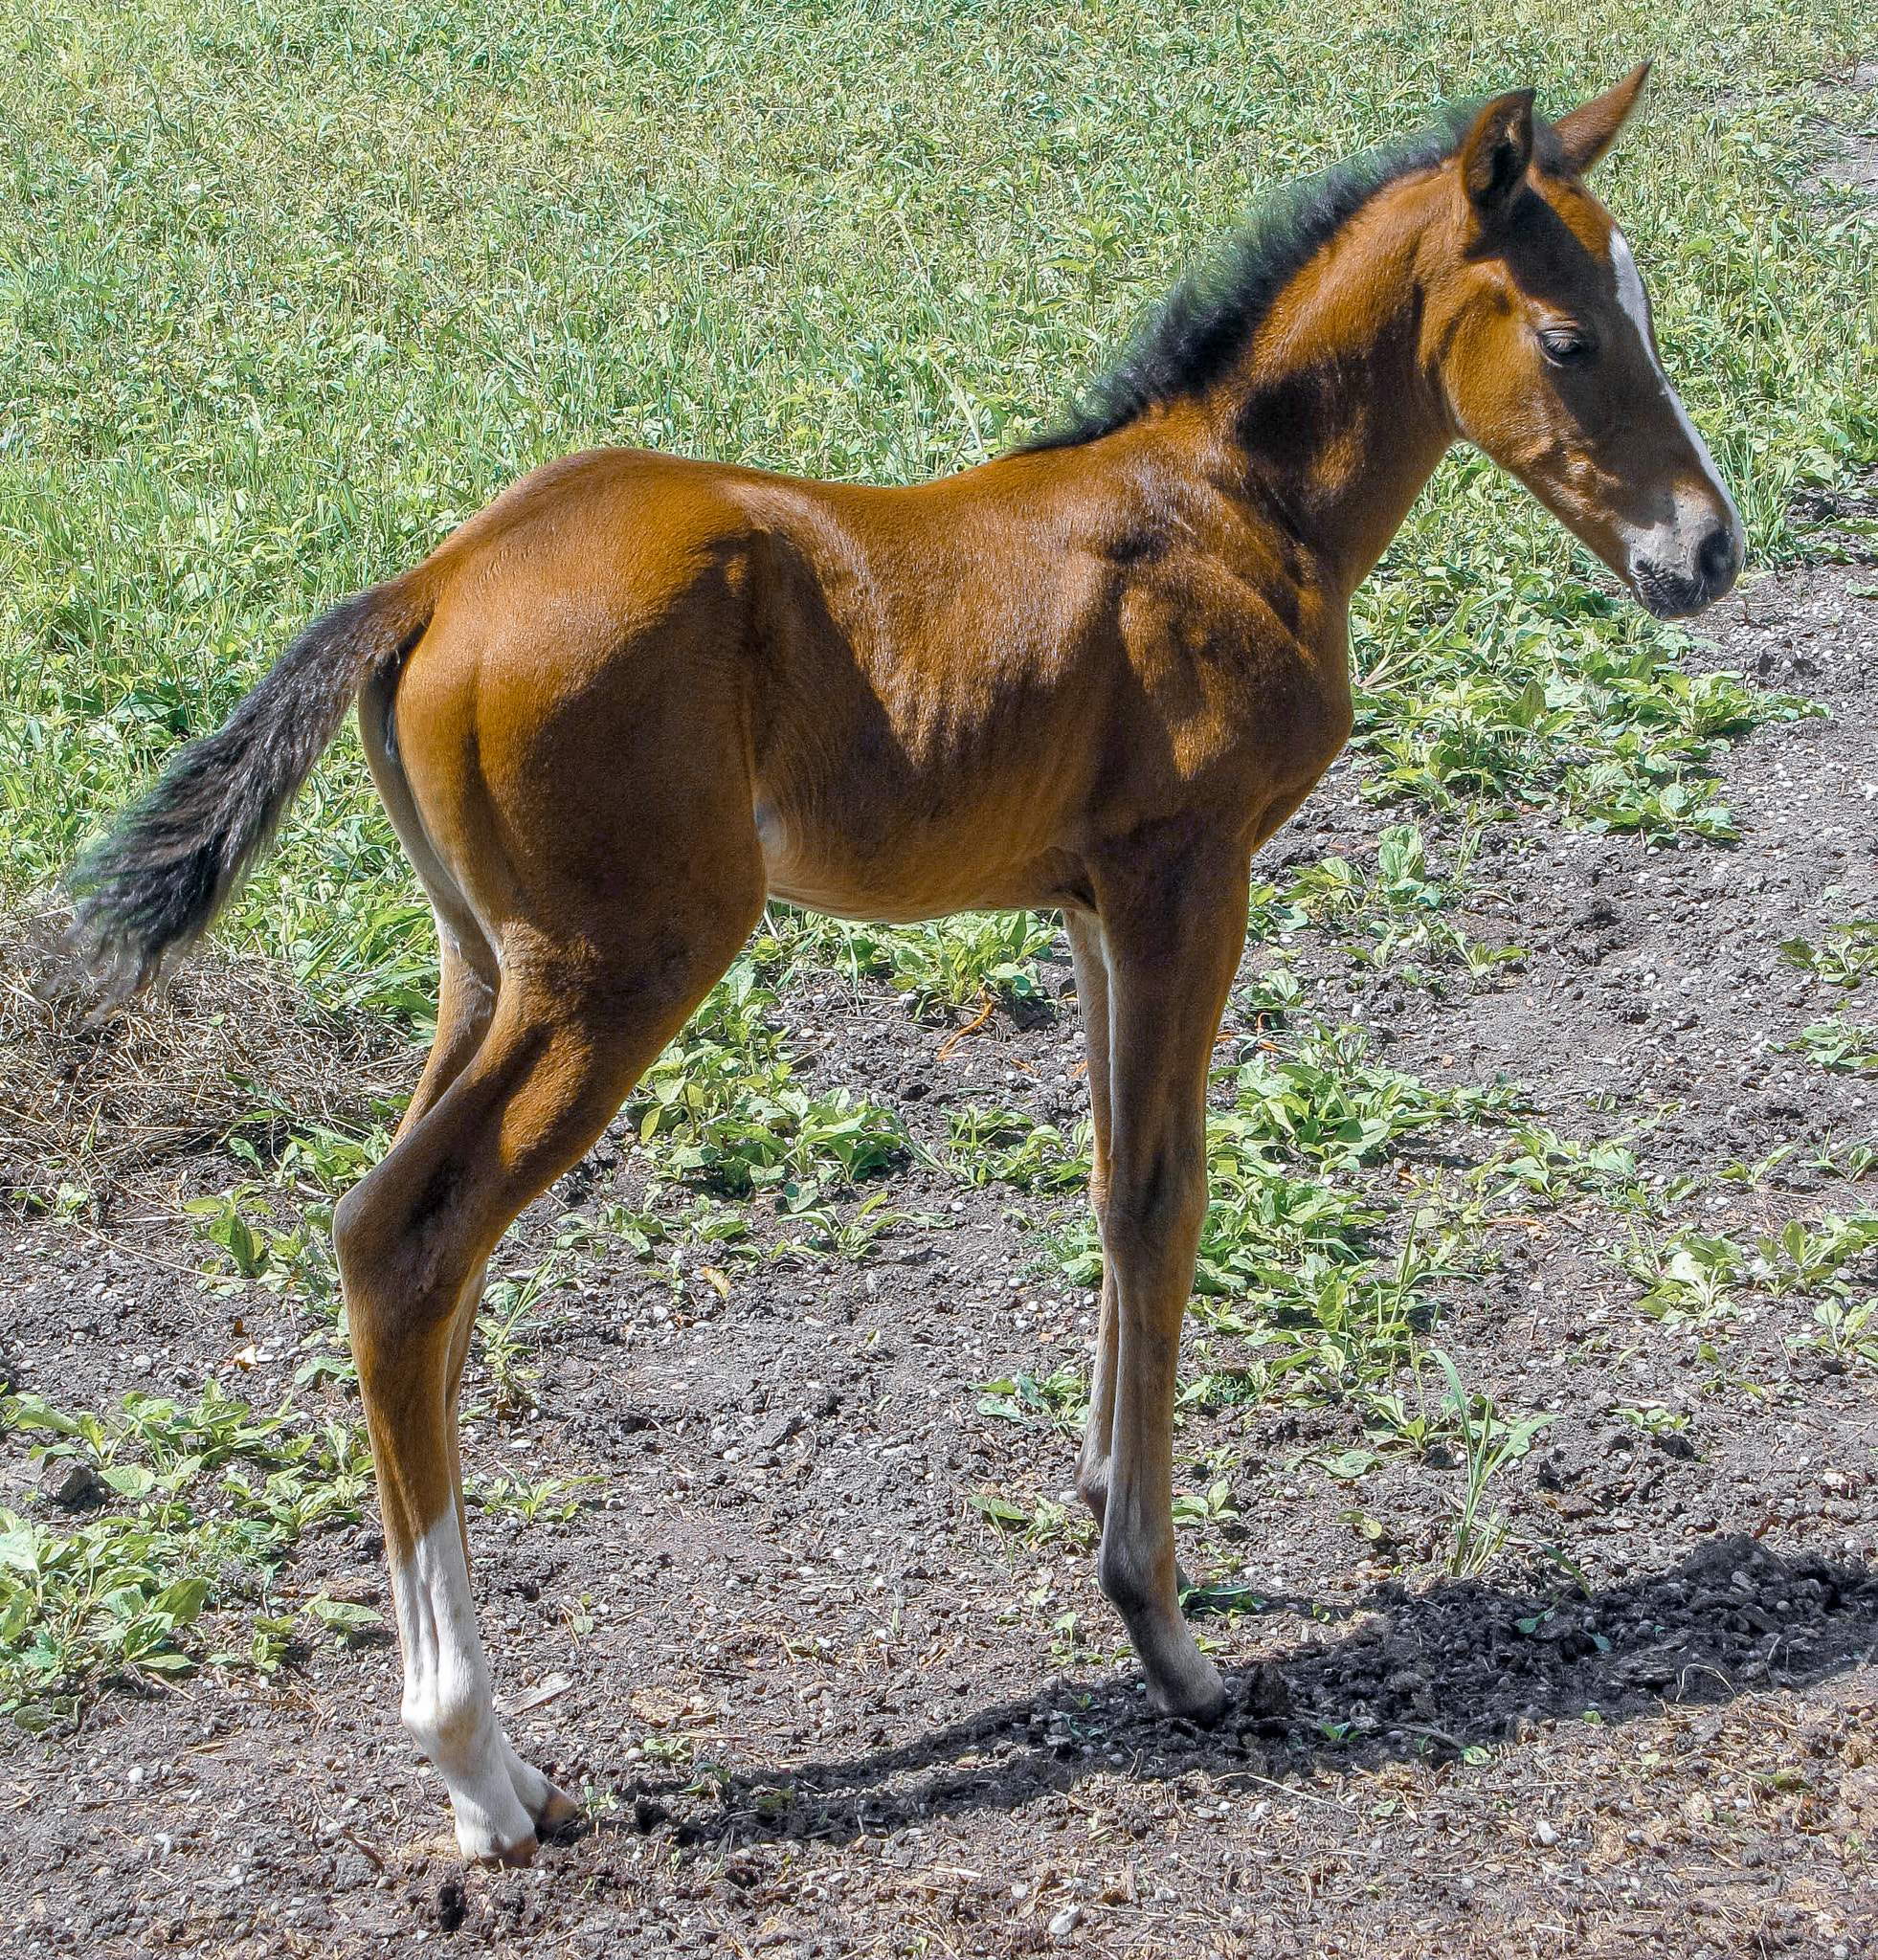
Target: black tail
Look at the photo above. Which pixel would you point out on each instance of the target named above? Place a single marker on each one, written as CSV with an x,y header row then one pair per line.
x,y
153,885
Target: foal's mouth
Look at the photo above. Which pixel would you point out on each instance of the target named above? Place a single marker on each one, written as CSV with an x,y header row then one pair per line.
x,y
1670,595
1679,593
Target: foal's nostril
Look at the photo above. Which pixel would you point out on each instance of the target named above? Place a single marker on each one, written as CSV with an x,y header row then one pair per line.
x,y
1715,560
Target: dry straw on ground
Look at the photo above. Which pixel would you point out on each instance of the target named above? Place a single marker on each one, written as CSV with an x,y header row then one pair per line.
x,y
223,1042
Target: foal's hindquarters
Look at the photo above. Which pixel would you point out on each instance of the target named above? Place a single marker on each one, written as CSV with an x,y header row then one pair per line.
x,y
582,821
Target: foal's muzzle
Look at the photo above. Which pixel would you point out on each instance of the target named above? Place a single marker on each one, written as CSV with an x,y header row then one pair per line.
x,y
1673,589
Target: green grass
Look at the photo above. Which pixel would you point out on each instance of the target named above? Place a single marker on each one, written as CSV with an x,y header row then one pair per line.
x,y
285,293
207,1502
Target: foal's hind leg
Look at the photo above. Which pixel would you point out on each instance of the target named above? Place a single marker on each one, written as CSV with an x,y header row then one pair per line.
x,y
466,1004
560,1052
469,978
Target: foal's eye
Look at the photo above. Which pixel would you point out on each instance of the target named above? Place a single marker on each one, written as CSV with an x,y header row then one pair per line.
x,y
1565,348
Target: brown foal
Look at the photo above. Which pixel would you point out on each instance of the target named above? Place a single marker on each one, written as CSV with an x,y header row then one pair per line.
x,y
636,695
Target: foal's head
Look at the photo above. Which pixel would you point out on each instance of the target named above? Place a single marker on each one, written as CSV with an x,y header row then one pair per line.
x,y
1539,330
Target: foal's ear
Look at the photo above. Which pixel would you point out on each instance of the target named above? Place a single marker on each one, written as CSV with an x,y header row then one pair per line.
x,y
1591,128
1497,152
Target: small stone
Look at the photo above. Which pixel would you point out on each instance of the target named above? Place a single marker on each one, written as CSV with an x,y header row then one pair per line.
x,y
140,1363
452,1903
1545,1833
73,1485
1065,1923
1267,1693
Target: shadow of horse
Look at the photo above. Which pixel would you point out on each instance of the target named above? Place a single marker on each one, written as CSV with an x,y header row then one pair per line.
x,y
1399,1675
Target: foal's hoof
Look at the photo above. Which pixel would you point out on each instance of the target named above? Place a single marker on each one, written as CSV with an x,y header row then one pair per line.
x,y
516,1855
1195,1694
482,1843
556,1809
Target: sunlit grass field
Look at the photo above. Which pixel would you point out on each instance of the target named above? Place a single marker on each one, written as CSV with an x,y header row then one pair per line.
x,y
287,291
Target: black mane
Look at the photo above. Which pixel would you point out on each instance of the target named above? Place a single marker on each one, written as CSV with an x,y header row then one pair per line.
x,y
1190,339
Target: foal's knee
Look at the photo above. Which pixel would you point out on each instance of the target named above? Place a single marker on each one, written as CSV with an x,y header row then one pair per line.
x,y
1130,1575
361,1247
1165,1209
394,1286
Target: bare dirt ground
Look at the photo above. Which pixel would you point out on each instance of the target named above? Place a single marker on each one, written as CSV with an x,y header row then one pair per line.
x,y
907,1750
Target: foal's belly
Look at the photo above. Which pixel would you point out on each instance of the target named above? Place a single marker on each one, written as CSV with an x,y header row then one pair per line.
x,y
898,875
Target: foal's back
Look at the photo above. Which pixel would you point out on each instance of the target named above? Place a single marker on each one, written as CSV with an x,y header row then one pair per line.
x,y
919,699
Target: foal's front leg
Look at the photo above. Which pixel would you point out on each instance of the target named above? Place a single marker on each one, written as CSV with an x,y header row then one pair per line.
x,y
1092,959
1169,962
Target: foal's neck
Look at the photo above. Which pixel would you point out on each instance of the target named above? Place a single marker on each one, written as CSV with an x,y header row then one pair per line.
x,y
1337,422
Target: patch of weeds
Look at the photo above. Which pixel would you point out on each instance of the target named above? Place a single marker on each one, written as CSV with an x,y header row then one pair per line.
x,y
1638,787
974,957
722,1102
1061,1400
1686,1276
1486,689
1738,1170
1807,1259
1066,1648
1538,1163
310,1160
505,1336
203,1488
1852,1160
1392,1420
1270,996
1071,1525
820,1233
352,931
304,1169
344,1619
1848,954
1488,1443
1689,1275
674,1752
1399,909
1655,1419
1045,1523
551,1497
1329,1104
252,1250
1213,1505
1009,1147
1839,1046
1846,1333
790,940
1291,1261
656,1236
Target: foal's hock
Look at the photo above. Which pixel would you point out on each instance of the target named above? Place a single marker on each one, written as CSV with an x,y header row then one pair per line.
x,y
636,695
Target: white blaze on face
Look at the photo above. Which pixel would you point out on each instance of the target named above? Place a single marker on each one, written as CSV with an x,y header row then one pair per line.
x,y
1637,307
